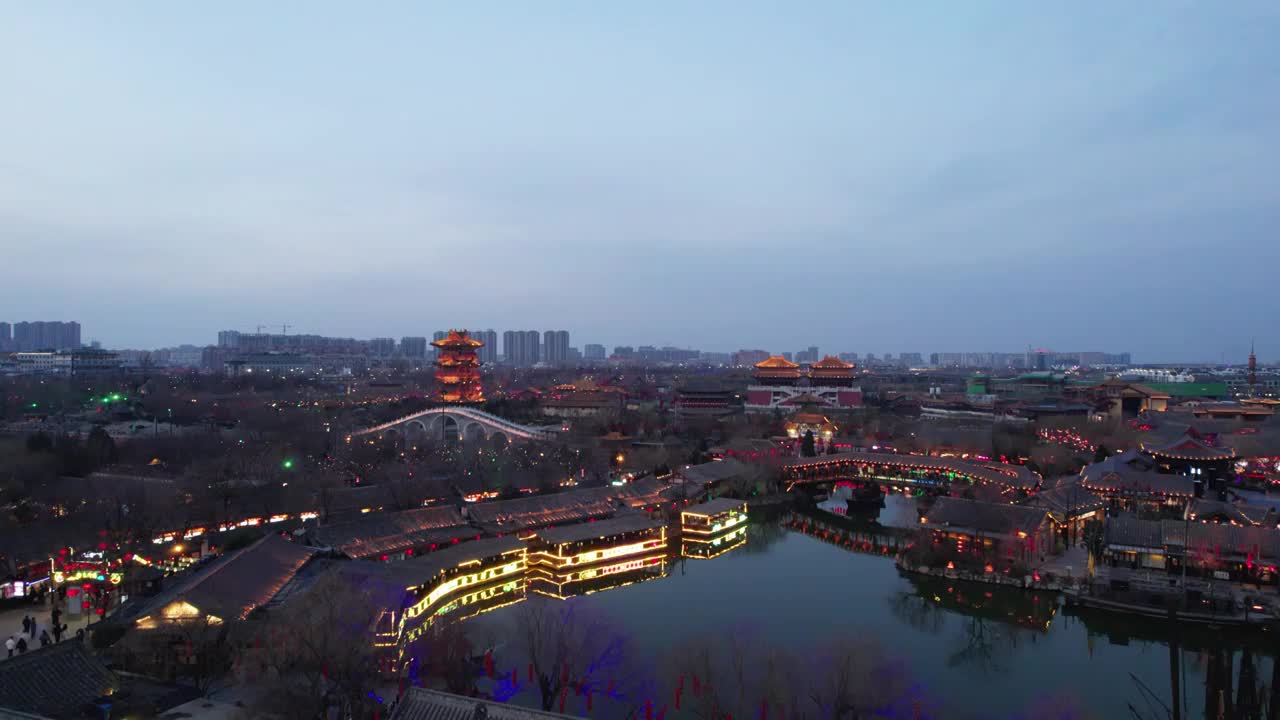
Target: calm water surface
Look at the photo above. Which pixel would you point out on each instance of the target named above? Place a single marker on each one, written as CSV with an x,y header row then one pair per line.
x,y
976,651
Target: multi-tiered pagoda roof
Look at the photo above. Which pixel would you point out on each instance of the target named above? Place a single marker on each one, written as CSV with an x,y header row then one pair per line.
x,y
458,368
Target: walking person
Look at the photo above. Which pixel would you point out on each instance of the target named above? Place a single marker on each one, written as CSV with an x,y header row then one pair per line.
x,y
45,640
26,624
57,633
10,645
34,626
22,645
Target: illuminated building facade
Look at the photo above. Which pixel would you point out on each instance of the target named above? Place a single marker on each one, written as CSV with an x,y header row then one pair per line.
x,y
460,582
713,528
783,385
595,556
458,369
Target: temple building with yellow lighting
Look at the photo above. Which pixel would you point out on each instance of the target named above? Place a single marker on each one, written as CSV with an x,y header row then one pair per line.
x,y
594,556
780,384
713,527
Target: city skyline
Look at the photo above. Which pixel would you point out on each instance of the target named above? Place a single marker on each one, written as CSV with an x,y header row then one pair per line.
x,y
882,177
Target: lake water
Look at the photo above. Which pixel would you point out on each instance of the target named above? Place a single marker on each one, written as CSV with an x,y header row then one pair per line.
x,y
971,650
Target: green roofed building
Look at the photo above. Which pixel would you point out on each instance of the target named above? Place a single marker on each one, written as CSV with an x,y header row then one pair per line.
x,y
1191,390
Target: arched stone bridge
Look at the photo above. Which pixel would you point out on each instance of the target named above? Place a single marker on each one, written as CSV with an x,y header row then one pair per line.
x,y
465,423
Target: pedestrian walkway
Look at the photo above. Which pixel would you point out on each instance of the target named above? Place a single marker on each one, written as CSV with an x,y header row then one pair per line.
x,y
1074,563
11,625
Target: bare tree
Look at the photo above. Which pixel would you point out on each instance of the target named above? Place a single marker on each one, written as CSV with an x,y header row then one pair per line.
x,y
569,646
739,676
314,651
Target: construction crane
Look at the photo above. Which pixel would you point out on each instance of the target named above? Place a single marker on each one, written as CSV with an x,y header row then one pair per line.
x,y
284,329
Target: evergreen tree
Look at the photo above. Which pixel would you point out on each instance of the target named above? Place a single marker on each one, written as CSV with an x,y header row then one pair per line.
x,y
807,445
1101,453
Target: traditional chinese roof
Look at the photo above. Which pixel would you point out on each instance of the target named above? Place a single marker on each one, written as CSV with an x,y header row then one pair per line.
x,y
1241,514
1066,500
714,507
509,516
809,419
378,533
232,586
711,472
57,681
831,363
776,362
994,518
1260,543
419,571
601,529
1132,474
1191,446
457,339
422,704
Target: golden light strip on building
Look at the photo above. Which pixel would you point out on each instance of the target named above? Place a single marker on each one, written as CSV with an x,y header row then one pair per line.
x,y
467,600
588,573
719,527
718,538
717,553
454,583
559,593
551,557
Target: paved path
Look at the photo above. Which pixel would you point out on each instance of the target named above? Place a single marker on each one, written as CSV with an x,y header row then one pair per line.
x,y
1072,563
11,625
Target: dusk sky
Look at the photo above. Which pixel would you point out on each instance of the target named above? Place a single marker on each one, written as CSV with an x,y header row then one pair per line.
x,y
868,177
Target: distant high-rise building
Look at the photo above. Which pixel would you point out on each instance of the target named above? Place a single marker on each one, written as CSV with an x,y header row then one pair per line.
x,y
808,355
555,347
488,354
520,347
413,347
382,347
6,336
914,360
45,335
748,358
593,351
624,352
787,356
229,339
851,357
439,335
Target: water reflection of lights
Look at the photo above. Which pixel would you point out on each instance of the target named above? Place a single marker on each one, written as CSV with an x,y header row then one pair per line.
x,y
706,548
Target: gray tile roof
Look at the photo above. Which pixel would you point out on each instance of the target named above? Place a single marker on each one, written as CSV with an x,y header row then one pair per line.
x,y
388,532
717,506
1262,544
57,681
231,586
1132,473
541,510
593,530
423,704
994,518
419,570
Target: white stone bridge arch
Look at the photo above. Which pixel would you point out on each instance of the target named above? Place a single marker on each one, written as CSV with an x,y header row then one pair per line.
x,y
465,423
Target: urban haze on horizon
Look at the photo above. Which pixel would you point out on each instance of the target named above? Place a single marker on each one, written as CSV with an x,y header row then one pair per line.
x,y
860,178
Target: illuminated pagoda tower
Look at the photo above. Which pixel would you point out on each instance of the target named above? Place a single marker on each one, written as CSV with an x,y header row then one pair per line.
x,y
458,369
